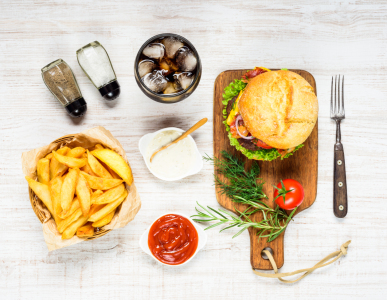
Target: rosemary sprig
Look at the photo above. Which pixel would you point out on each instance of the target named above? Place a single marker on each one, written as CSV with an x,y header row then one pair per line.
x,y
273,224
243,186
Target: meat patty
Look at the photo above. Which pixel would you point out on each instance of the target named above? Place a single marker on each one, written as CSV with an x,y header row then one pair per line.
x,y
230,105
248,144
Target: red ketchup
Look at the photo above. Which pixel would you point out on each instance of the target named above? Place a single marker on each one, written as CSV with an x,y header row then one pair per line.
x,y
173,239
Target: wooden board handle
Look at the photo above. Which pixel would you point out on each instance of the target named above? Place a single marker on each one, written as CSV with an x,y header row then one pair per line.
x,y
257,245
340,205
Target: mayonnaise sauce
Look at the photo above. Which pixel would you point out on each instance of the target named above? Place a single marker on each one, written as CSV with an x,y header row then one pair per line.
x,y
176,160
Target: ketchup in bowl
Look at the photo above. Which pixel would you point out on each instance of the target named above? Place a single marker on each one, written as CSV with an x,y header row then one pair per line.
x,y
173,239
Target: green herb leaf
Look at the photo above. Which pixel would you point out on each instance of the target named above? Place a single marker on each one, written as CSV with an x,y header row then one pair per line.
x,y
272,226
242,185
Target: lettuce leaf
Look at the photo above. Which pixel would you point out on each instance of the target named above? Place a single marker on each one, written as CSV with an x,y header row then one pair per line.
x,y
230,92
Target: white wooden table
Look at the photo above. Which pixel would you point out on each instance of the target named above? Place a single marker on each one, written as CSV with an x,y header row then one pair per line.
x,y
323,37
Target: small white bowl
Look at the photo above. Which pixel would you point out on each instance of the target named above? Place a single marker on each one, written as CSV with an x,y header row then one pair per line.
x,y
202,236
146,139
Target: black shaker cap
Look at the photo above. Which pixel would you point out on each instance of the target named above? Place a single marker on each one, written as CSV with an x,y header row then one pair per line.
x,y
110,91
77,108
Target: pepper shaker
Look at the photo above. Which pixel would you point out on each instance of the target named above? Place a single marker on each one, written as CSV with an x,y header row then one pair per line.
x,y
95,62
61,82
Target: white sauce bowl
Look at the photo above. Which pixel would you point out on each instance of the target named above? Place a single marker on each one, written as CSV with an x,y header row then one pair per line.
x,y
146,140
202,236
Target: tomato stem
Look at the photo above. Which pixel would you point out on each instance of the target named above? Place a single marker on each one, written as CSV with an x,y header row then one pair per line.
x,y
282,191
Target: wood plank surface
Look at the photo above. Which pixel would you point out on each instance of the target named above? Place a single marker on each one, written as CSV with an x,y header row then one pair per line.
x,y
325,37
302,166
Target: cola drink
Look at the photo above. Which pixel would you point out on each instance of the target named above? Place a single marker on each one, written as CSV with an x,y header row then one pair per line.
x,y
167,65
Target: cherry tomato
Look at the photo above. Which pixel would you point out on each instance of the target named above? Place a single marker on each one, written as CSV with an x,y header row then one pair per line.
x,y
263,145
293,191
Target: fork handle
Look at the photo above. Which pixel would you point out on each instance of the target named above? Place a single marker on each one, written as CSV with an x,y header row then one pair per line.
x,y
340,205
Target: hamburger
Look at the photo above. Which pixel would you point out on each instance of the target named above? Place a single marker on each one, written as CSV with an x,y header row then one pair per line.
x,y
269,114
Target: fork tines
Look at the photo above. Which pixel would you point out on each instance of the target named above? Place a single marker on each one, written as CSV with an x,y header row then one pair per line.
x,y
337,98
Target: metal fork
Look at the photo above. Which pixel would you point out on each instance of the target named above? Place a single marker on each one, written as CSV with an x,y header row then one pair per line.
x,y
340,205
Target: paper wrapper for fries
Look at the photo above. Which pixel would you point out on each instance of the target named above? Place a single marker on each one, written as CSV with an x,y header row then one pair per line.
x,y
86,139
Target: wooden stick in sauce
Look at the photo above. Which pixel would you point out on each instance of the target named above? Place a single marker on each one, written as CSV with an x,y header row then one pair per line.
x,y
183,136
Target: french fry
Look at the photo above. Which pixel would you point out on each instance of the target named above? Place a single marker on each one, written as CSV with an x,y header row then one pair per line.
x,y
78,186
108,208
95,208
96,166
43,170
70,162
56,168
55,191
95,195
114,174
63,150
69,232
42,191
110,195
115,162
62,225
60,170
86,168
83,192
85,231
105,220
74,206
68,189
99,146
97,183
76,152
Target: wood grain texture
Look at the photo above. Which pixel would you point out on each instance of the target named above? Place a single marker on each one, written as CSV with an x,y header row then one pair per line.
x,y
302,166
340,201
325,37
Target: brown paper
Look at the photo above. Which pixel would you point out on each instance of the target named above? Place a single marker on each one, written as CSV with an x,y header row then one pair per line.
x,y
87,139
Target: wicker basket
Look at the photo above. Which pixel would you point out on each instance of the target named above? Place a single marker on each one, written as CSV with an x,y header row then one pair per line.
x,y
37,204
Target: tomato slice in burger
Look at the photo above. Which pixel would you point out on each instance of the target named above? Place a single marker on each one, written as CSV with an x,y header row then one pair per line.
x,y
263,145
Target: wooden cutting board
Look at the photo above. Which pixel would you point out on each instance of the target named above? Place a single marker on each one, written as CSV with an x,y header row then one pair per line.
x,y
302,166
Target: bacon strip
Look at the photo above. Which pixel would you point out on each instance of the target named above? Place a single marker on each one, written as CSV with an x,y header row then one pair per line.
x,y
252,73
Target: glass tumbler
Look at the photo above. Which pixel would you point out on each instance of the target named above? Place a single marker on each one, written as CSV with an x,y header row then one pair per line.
x,y
167,98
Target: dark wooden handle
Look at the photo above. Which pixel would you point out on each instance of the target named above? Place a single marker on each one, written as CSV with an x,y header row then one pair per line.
x,y
340,205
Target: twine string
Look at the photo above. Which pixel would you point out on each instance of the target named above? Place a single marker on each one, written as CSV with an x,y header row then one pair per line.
x,y
331,258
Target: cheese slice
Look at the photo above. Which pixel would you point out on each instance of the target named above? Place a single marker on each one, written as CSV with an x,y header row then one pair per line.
x,y
268,70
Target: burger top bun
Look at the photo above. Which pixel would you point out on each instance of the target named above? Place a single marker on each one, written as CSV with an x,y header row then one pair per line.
x,y
279,108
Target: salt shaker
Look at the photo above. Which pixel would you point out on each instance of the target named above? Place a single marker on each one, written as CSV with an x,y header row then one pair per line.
x,y
95,62
61,82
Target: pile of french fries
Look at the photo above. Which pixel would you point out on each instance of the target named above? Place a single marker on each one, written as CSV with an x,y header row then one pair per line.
x,y
82,189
